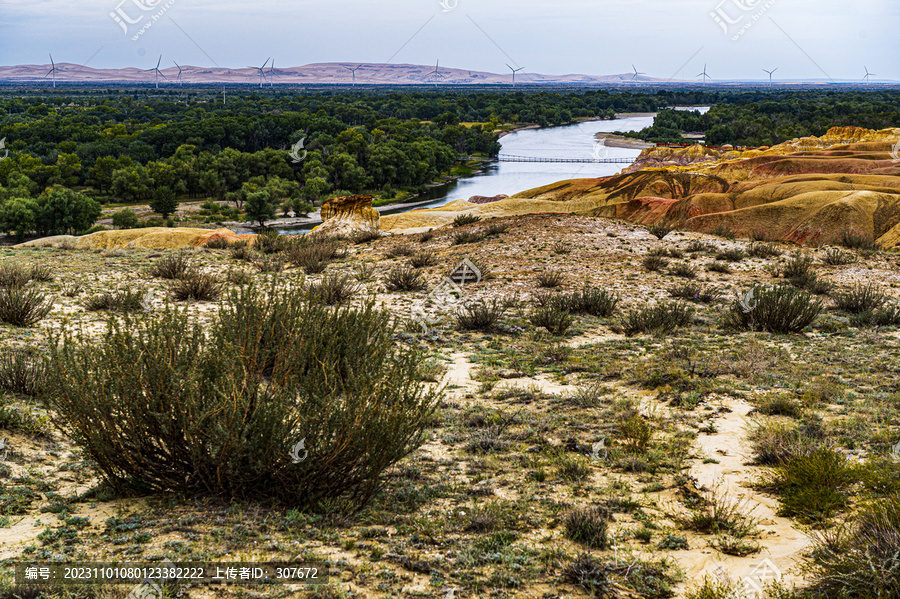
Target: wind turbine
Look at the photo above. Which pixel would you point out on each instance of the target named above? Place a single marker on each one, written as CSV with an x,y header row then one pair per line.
x,y
514,71
262,73
868,74
636,73
157,71
52,71
179,72
272,74
353,71
437,72
770,74
704,74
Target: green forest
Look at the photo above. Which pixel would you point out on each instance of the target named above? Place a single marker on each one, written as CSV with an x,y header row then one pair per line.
x,y
70,152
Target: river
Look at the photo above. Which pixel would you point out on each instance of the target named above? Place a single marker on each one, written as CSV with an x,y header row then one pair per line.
x,y
567,141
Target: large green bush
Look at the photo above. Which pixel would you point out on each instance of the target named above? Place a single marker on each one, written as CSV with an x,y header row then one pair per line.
x,y
172,405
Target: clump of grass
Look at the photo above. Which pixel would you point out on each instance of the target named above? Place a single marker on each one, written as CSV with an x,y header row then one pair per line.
x,y
760,235
23,306
836,257
467,236
635,432
775,443
22,371
571,467
695,292
556,320
661,229
779,404
466,219
400,251
217,243
423,259
426,236
814,486
776,309
480,315
720,514
13,275
721,267
365,236
126,300
172,267
724,231
588,526
857,240
40,273
593,301
405,278
561,247
550,278
860,298
798,268
269,264
238,276
311,252
619,579
658,319
332,290
200,287
270,242
241,250
364,271
731,255
711,588
683,270
697,246
763,250
496,228
654,263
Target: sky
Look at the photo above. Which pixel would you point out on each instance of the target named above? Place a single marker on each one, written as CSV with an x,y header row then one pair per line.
x,y
804,39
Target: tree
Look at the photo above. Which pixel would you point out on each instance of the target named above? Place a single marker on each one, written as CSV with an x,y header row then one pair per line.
x,y
125,219
60,210
17,216
164,201
259,207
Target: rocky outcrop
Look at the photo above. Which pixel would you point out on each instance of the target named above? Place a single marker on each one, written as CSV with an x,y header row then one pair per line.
x,y
347,215
147,238
486,199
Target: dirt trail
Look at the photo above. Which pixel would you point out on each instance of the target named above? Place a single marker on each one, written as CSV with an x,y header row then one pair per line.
x,y
782,543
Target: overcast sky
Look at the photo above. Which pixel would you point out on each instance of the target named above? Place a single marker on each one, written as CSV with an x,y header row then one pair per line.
x,y
664,38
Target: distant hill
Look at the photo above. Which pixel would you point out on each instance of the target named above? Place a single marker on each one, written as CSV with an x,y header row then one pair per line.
x,y
312,74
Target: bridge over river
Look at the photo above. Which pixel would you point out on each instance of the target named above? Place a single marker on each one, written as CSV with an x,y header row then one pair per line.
x,y
514,158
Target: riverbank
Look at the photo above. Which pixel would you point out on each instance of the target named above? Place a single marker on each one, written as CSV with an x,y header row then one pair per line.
x,y
611,140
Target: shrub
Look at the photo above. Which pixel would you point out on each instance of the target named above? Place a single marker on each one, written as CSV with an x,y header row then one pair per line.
x,y
468,236
885,317
798,268
683,270
813,486
658,319
200,287
125,219
550,278
426,237
855,240
588,526
241,250
763,250
775,443
314,405
661,229
721,267
238,276
695,245
480,315
731,255
695,293
127,300
332,290
22,371
836,257
172,267
269,264
269,242
860,559
776,309
724,231
40,273
711,588
556,320
465,219
760,235
654,263
405,278
16,275
311,252
23,306
422,259
719,514
593,301
218,243
364,271
634,432
860,298
561,247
